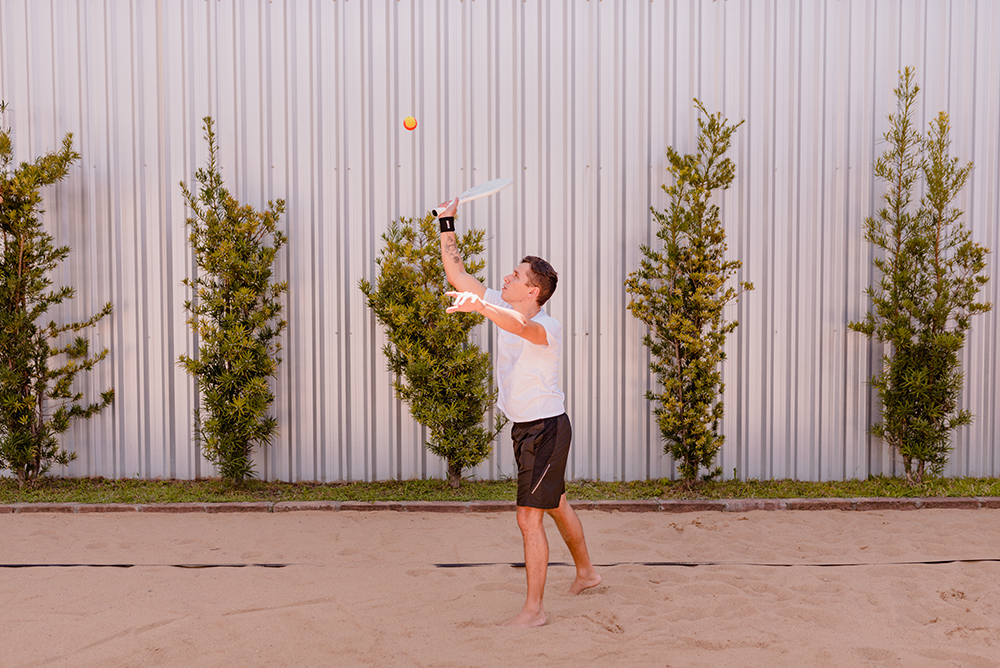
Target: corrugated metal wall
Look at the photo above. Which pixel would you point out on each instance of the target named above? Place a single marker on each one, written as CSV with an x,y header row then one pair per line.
x,y
576,100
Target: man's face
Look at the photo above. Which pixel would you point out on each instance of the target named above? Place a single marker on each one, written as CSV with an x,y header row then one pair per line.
x,y
515,285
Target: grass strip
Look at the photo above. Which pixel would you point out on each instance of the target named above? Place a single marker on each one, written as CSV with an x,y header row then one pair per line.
x,y
135,491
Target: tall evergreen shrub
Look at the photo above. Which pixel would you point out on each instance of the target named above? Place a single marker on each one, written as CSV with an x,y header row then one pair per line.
x,y
236,314
680,291
37,400
930,274
439,372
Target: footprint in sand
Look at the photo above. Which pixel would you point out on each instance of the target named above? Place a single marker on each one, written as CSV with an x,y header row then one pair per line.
x,y
606,620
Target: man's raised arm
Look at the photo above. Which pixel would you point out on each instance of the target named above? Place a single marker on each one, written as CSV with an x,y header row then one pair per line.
x,y
454,268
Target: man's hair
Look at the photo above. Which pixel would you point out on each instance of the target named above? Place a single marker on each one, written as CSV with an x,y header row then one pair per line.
x,y
542,276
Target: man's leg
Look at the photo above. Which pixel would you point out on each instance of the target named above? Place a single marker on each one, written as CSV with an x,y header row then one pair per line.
x,y
536,564
571,530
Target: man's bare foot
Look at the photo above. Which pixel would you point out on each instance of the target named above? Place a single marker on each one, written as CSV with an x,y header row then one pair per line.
x,y
583,583
527,619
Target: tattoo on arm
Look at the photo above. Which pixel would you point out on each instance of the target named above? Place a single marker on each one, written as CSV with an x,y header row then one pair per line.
x,y
451,248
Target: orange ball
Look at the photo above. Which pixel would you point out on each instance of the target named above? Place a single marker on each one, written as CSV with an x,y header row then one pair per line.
x,y
410,123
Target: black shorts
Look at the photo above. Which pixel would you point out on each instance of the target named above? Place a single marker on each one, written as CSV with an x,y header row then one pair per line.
x,y
541,448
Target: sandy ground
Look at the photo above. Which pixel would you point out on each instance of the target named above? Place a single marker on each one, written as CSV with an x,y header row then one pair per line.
x,y
362,589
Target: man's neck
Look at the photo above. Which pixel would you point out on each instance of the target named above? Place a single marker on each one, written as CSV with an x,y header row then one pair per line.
x,y
529,309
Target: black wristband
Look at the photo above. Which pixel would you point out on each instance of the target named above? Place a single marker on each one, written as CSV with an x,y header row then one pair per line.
x,y
447,224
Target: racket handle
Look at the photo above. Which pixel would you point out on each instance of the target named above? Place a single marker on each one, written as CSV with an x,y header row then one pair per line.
x,y
441,207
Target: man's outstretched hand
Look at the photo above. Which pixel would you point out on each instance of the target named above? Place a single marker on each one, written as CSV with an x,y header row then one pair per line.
x,y
465,302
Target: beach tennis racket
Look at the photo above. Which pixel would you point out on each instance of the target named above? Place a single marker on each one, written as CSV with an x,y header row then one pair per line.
x,y
482,190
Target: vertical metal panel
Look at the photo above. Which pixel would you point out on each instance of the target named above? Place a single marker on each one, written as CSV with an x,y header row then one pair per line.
x,y
577,101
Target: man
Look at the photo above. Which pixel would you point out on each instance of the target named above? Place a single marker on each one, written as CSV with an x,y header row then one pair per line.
x,y
527,370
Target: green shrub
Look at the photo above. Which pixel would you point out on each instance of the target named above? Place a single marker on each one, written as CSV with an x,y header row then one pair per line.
x,y
236,313
931,272
445,379
37,402
680,291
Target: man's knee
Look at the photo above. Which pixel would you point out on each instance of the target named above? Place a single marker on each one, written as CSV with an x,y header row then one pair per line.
x,y
529,519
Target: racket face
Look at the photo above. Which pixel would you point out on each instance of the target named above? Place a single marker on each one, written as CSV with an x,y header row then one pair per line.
x,y
484,189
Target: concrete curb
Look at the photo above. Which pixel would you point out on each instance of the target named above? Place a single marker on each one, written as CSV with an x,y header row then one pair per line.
x,y
289,506
621,506
107,508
